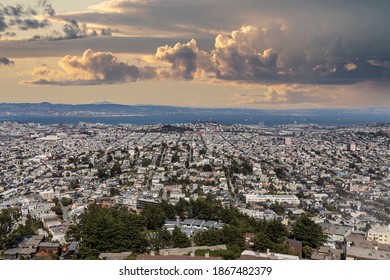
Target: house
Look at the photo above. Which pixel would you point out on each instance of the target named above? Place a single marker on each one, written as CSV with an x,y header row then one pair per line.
x,y
379,234
336,233
357,253
31,247
209,224
48,249
197,224
12,254
327,253
187,223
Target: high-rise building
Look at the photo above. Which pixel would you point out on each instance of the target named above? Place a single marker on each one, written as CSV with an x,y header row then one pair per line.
x,y
351,147
287,141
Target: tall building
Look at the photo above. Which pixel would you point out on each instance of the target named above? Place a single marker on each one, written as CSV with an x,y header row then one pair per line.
x,y
287,141
351,147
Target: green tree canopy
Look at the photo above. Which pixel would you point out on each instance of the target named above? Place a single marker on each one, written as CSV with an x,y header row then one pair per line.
x,y
109,230
154,216
10,232
307,231
262,242
180,239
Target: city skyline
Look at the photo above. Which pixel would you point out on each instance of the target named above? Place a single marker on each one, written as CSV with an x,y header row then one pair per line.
x,y
253,54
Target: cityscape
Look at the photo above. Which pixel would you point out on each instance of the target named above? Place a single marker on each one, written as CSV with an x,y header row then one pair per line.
x,y
200,190
246,131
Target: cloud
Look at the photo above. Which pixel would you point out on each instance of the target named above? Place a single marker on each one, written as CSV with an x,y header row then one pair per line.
x,y
3,24
47,7
5,61
26,24
24,19
185,60
20,17
91,69
251,55
260,55
73,30
15,11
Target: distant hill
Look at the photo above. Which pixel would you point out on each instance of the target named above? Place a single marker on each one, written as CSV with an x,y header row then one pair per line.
x,y
110,109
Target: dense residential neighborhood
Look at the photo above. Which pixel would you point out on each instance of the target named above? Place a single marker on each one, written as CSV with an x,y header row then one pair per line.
x,y
176,181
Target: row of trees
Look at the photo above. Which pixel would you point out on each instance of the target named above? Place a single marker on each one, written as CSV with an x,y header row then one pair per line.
x,y
118,229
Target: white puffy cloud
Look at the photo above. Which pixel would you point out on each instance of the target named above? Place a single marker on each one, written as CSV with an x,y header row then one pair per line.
x,y
90,69
186,60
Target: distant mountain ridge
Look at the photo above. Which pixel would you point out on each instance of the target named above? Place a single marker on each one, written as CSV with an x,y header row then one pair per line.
x,y
111,109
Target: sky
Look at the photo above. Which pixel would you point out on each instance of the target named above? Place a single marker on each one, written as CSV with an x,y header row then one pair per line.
x,y
266,54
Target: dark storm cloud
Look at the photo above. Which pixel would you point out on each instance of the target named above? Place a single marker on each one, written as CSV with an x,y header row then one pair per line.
x,y
306,17
255,55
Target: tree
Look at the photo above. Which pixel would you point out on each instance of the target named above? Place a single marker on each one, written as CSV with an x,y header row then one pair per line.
x,y
277,208
247,167
232,236
280,173
180,239
209,237
146,162
307,231
160,239
66,201
114,191
262,242
73,233
55,200
207,168
154,216
116,169
175,158
307,251
108,230
57,209
276,231
10,235
102,173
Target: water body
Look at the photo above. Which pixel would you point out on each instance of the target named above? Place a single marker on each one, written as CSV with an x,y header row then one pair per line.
x,y
247,119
